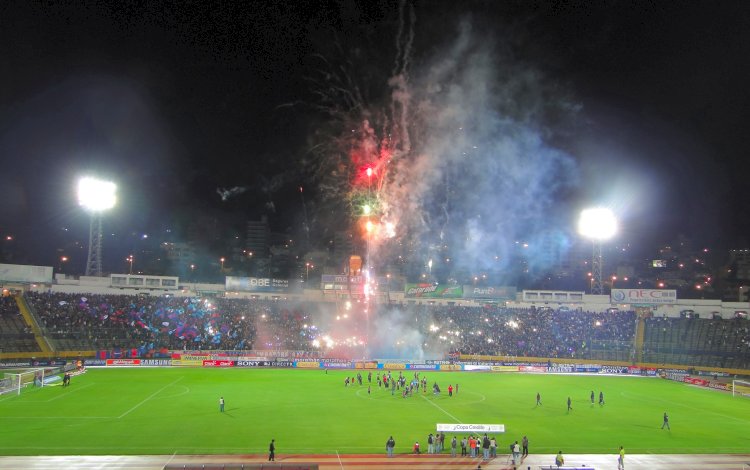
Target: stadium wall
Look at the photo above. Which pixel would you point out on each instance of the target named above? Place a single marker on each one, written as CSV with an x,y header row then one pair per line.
x,y
572,300
244,359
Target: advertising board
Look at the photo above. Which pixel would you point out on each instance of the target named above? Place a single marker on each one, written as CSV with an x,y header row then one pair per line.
x,y
25,273
490,292
427,290
470,428
155,362
251,363
256,284
643,296
421,366
187,362
212,363
307,364
394,366
337,365
123,362
504,368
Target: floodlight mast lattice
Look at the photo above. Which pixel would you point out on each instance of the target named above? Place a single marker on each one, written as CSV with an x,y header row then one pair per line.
x,y
598,225
95,196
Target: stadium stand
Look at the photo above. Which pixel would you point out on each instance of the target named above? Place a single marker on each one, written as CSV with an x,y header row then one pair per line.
x,y
15,334
698,342
144,325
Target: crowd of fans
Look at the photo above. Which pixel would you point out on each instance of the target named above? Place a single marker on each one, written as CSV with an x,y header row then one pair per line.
x,y
532,332
151,324
155,323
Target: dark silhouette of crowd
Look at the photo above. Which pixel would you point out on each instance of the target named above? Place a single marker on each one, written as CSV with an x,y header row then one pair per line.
x,y
15,334
698,342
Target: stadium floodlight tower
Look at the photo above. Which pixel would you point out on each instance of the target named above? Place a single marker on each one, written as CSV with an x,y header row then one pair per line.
x,y
96,196
598,225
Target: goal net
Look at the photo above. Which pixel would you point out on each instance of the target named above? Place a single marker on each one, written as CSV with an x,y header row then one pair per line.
x,y
15,382
740,388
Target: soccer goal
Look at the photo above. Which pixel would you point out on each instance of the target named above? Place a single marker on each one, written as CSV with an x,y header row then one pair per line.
x,y
15,382
740,388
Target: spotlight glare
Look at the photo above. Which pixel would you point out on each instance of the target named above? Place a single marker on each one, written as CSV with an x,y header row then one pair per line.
x,y
598,223
96,195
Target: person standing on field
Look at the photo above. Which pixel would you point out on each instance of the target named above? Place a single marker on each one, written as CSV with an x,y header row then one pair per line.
x,y
221,404
569,402
525,446
592,397
621,459
516,453
666,421
559,460
538,399
453,447
389,445
272,451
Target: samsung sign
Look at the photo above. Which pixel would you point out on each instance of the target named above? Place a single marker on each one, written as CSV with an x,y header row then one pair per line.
x,y
644,296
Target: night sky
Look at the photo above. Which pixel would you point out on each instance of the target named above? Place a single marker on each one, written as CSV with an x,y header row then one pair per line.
x,y
175,101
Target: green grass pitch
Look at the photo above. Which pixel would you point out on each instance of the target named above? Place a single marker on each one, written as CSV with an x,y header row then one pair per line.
x,y
168,410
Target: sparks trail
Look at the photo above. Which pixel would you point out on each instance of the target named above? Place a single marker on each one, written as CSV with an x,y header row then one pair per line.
x,y
450,164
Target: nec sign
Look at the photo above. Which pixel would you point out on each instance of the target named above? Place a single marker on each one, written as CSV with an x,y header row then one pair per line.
x,y
644,296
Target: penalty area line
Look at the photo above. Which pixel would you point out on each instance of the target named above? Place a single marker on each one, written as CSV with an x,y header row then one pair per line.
x,y
441,409
148,398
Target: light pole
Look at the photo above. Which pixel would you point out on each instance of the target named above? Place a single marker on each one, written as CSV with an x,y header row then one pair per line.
x,y
129,259
222,264
95,196
63,259
598,225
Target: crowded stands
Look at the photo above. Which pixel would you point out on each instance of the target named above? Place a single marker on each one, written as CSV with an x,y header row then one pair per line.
x,y
146,325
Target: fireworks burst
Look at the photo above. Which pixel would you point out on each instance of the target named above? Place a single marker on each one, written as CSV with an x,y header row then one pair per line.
x,y
451,164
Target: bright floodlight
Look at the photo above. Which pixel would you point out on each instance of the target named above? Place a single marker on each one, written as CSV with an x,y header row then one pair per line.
x,y
597,224
96,195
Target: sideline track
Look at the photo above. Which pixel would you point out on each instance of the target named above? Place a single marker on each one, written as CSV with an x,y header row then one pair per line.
x,y
377,461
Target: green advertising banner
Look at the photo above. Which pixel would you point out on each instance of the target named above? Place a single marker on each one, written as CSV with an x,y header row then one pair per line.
x,y
434,291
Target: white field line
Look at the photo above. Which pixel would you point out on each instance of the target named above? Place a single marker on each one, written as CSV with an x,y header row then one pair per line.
x,y
171,458
68,393
148,398
441,409
339,457
57,417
